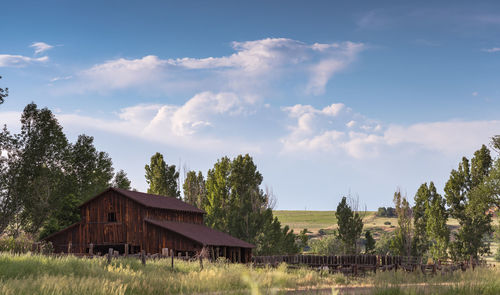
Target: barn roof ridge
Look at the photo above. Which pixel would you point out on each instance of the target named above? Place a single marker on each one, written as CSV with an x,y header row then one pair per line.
x,y
201,233
151,201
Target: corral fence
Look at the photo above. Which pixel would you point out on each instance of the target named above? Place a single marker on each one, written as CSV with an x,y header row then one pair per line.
x,y
359,264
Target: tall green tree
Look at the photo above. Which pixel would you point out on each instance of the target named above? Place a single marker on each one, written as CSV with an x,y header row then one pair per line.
x,y
121,180
437,231
402,240
370,243
4,92
350,226
194,189
465,196
235,204
162,178
420,243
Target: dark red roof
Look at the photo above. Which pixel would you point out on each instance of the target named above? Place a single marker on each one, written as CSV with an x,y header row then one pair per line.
x,y
202,234
153,201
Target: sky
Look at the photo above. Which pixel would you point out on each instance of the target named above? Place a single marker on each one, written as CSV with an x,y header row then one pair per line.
x,y
330,98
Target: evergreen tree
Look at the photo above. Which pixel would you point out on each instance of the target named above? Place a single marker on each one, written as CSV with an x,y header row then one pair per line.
x,y
465,196
194,189
420,242
162,178
370,243
350,226
121,180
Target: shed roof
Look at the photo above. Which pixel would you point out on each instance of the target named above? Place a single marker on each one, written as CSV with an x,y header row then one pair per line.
x,y
201,234
153,201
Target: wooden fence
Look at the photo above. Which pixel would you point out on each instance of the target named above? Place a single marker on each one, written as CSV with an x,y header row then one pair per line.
x,y
355,264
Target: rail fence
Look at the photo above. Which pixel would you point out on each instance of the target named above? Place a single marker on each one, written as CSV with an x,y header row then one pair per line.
x,y
359,264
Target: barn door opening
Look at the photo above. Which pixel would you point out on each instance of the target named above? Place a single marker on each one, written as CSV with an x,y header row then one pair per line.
x,y
103,249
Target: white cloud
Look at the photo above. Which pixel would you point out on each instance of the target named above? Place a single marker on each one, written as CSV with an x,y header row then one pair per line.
x,y
7,60
475,93
41,47
60,78
491,50
254,65
315,130
194,125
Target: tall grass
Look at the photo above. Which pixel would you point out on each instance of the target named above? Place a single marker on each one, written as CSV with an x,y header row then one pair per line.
x,y
35,274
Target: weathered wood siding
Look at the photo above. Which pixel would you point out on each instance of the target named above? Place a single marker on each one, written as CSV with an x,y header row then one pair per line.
x,y
129,225
61,240
158,238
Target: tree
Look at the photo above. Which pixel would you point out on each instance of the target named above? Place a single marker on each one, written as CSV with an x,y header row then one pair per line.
x,y
350,226
420,242
466,195
437,231
370,243
121,180
235,204
326,245
162,178
194,189
402,241
3,93
381,212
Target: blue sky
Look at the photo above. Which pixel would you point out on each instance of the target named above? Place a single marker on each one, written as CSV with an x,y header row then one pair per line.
x,y
329,97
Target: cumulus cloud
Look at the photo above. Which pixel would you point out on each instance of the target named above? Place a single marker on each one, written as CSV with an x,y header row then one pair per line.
x,y
41,47
254,64
194,124
8,60
314,130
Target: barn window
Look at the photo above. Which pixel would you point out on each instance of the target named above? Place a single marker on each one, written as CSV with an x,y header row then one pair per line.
x,y
111,217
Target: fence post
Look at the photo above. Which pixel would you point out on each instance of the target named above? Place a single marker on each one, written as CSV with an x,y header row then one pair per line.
x,y
126,250
91,249
110,254
143,257
172,252
69,247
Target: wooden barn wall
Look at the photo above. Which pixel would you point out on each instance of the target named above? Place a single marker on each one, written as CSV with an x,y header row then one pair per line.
x,y
158,238
129,225
61,240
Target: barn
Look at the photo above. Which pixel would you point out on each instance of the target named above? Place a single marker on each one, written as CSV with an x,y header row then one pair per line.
x,y
133,221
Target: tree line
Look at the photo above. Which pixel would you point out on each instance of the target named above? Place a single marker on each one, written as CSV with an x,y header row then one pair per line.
x,y
44,178
471,196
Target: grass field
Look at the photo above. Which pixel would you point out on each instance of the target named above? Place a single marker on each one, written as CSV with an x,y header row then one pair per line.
x,y
34,274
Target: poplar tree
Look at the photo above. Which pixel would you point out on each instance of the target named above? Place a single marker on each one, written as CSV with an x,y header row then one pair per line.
x,y
194,189
420,243
402,240
437,231
465,195
162,178
121,180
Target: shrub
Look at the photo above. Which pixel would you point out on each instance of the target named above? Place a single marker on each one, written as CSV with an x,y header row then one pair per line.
x,y
387,223
497,255
326,245
20,244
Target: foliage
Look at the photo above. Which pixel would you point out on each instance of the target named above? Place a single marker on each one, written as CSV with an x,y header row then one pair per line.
x,y
420,243
4,92
402,241
369,243
43,177
437,231
350,226
386,212
121,180
497,255
194,189
467,197
235,204
302,239
383,245
162,178
326,245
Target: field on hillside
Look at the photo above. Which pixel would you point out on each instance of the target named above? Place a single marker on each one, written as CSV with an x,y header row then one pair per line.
x,y
315,221
34,274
